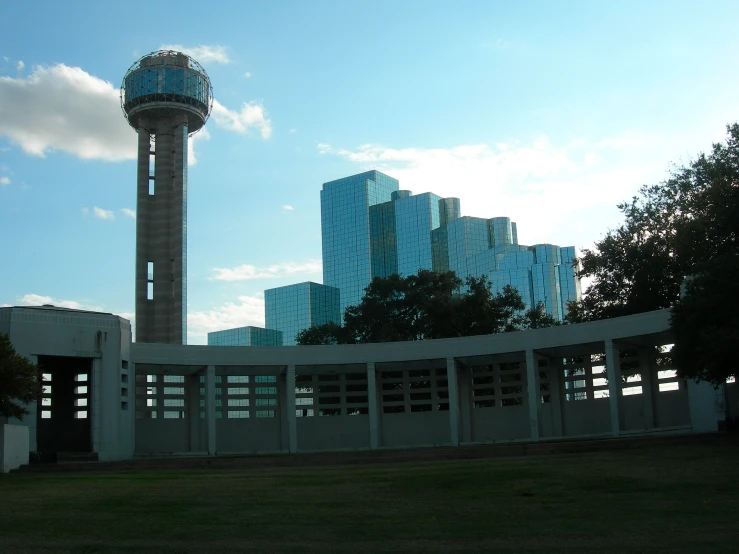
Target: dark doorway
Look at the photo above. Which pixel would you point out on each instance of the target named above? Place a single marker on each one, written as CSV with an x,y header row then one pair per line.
x,y
65,409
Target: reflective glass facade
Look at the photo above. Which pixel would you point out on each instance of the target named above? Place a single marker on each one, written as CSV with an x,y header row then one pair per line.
x,y
293,308
245,336
415,218
345,230
372,228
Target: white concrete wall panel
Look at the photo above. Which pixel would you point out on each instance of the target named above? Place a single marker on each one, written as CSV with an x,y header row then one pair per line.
x,y
13,446
349,432
415,429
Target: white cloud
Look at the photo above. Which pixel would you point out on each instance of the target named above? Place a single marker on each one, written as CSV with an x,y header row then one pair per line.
x,y
247,75
85,211
40,300
247,310
100,213
293,131
246,272
563,194
4,181
20,65
286,209
202,134
252,115
203,53
128,213
65,108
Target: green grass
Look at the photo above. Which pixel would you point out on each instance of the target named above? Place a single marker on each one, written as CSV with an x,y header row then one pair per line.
x,y
666,499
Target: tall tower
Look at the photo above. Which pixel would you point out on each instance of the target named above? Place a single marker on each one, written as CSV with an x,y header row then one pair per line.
x,y
166,96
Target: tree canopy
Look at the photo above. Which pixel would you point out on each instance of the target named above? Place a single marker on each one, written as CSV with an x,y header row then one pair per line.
x,y
686,226
428,305
19,380
668,230
705,322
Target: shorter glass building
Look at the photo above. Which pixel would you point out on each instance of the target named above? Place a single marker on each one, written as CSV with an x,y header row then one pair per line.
x,y
293,308
245,336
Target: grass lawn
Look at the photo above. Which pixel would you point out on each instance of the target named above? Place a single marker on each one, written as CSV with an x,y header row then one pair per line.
x,y
665,499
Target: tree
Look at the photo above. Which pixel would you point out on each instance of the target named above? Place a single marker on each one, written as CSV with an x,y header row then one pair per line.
x,y
669,230
705,322
326,333
428,305
19,380
537,318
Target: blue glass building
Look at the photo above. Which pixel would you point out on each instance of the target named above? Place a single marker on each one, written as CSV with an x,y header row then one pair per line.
x,y
345,231
245,336
371,228
292,308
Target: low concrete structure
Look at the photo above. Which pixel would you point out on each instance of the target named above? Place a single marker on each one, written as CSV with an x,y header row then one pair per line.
x,y
13,446
598,379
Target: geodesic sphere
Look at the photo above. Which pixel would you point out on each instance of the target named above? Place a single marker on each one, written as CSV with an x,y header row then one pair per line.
x,y
167,83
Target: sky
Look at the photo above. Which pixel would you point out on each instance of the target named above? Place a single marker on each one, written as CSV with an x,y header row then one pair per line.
x,y
550,113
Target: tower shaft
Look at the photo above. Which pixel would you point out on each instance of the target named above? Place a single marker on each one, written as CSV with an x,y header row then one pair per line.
x,y
161,231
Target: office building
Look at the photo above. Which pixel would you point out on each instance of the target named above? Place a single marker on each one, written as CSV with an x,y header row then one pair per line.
x,y
245,336
345,232
293,308
371,228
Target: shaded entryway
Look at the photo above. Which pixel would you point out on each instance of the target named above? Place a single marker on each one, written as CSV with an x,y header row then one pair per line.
x,y
65,408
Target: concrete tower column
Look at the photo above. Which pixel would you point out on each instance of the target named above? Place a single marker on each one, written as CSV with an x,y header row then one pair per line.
x,y
161,239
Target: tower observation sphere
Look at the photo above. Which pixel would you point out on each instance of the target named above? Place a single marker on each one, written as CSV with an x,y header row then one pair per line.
x,y
166,96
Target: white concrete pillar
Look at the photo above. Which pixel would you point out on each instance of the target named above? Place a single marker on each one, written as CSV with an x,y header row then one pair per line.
x,y
451,372
556,397
702,404
210,408
464,378
373,407
532,387
96,400
613,370
647,368
292,420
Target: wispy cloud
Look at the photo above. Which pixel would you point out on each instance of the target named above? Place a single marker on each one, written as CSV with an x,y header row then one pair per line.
x,y
287,209
246,272
246,310
65,108
85,211
4,181
252,116
128,213
20,65
560,193
100,213
40,300
247,75
204,53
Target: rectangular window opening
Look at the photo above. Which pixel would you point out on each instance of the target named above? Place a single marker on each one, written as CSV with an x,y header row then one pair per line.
x,y
150,291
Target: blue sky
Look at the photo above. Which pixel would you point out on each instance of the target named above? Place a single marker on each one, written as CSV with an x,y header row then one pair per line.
x,y
547,112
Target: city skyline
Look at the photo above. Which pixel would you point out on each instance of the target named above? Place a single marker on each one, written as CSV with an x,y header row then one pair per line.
x,y
564,110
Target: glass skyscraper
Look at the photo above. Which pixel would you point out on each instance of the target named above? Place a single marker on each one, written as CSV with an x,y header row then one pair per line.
x,y
245,336
371,228
345,232
292,308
